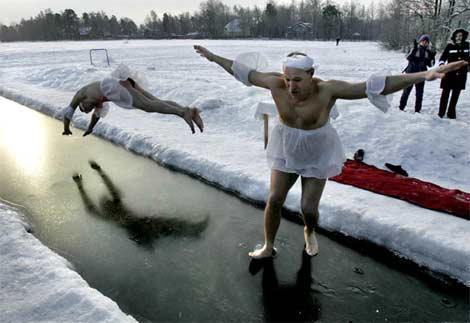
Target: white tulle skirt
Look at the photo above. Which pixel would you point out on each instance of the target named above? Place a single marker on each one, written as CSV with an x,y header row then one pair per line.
x,y
309,153
115,92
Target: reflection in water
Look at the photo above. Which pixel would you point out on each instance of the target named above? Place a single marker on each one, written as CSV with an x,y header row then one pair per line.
x,y
22,134
287,302
142,229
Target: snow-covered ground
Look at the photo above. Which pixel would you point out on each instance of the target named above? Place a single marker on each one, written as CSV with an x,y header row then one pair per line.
x,y
38,285
44,76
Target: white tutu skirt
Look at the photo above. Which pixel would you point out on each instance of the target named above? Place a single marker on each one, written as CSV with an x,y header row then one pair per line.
x,y
116,93
309,153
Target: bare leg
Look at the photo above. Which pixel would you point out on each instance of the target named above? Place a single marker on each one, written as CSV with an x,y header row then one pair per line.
x,y
145,93
157,106
197,119
312,189
281,183
195,116
194,111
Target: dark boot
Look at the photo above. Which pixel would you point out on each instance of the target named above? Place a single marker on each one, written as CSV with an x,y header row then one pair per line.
x,y
404,97
451,114
443,104
419,96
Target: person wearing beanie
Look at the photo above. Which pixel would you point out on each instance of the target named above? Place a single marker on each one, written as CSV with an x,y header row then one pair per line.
x,y
455,81
419,59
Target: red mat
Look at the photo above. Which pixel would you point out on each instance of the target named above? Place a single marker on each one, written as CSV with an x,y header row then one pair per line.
x,y
412,190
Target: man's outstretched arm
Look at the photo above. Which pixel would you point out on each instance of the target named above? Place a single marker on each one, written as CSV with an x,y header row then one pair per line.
x,y
393,83
347,90
264,80
94,120
77,98
225,63
396,83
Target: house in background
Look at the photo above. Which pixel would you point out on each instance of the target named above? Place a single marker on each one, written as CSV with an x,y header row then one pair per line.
x,y
84,32
300,30
233,28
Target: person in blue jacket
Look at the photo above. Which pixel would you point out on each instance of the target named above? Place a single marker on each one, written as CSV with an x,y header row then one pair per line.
x,y
454,81
419,59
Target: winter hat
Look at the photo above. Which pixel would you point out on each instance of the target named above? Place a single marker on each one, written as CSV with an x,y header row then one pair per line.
x,y
424,37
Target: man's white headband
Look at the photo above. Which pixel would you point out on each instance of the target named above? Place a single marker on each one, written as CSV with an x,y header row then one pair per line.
x,y
301,62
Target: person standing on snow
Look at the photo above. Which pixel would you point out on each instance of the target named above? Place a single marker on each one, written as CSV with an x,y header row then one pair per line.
x,y
419,59
454,81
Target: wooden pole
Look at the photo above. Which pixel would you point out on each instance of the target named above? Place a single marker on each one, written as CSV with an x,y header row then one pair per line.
x,y
266,129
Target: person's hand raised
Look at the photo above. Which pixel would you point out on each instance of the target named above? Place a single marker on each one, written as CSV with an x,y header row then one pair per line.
x,y
441,71
204,52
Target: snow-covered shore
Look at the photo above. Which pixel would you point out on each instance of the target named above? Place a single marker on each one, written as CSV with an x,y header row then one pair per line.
x,y
36,284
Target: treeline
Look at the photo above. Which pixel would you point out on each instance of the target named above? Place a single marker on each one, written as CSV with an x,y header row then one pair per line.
x,y
324,21
406,19
67,25
395,22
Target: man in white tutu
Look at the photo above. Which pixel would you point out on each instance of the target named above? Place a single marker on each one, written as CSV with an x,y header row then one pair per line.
x,y
304,143
126,94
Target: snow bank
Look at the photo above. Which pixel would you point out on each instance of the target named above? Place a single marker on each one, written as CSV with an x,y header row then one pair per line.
x,y
36,284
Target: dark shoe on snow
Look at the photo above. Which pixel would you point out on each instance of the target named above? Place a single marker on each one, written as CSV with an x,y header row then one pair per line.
x,y
397,169
359,155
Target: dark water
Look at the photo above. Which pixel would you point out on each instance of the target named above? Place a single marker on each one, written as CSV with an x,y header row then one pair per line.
x,y
167,247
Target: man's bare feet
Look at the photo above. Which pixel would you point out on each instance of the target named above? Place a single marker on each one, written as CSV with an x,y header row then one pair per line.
x,y
311,244
263,252
187,116
197,119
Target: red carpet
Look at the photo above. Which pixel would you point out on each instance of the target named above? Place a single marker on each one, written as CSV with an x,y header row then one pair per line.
x,y
412,190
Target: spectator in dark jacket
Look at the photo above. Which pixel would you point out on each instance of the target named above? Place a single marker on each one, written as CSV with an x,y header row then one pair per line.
x,y
419,59
454,81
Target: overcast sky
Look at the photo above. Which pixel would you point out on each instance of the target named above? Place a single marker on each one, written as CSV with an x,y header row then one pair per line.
x,y
14,10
